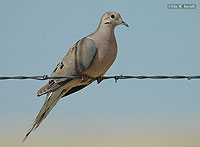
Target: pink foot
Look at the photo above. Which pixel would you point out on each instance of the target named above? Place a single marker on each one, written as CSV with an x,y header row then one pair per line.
x,y
84,78
99,79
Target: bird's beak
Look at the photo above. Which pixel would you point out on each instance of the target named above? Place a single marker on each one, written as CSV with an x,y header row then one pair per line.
x,y
123,23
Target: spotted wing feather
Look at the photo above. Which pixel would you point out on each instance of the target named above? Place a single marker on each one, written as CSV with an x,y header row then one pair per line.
x,y
77,60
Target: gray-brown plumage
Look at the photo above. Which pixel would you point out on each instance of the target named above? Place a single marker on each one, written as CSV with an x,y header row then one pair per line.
x,y
91,56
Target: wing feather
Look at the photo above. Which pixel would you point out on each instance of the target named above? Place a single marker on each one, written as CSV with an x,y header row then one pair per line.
x,y
77,60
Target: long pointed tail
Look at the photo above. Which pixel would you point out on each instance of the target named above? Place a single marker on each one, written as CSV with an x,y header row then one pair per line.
x,y
51,100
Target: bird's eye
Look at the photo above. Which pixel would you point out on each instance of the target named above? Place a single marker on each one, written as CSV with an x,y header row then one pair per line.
x,y
112,16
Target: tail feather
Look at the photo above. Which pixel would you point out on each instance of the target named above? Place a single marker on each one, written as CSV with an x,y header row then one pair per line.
x,y
51,100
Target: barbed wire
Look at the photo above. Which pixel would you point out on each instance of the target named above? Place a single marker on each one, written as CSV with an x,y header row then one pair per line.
x,y
116,78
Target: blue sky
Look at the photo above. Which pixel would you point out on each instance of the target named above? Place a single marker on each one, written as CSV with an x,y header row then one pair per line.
x,y
35,35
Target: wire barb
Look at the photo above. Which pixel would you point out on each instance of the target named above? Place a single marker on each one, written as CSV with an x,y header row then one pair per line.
x,y
116,78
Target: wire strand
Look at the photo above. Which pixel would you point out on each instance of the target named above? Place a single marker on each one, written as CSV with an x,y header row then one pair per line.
x,y
116,78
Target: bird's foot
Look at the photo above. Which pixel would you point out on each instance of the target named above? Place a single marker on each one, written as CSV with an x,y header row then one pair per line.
x,y
84,78
99,79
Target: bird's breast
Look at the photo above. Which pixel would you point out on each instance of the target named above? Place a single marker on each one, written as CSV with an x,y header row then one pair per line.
x,y
104,58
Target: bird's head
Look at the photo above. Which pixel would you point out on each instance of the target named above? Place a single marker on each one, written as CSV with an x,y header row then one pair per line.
x,y
112,18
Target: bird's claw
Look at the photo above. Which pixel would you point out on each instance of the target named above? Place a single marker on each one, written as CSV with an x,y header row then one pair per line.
x,y
84,78
99,79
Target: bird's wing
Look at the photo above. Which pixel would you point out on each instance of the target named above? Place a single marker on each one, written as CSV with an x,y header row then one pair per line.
x,y
77,60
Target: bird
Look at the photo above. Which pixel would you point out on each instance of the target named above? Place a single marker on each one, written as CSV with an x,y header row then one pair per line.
x,y
90,56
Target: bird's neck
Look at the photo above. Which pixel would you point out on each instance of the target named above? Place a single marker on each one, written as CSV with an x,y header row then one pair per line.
x,y
104,32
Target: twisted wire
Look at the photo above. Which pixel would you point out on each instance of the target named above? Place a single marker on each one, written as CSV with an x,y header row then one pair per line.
x,y
116,78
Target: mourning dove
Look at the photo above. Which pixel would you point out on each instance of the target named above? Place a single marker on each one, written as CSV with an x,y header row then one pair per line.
x,y
91,56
